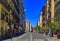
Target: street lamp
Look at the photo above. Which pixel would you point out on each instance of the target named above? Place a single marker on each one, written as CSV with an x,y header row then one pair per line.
x,y
12,25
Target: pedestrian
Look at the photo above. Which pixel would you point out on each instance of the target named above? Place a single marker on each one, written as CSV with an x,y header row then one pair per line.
x,y
49,33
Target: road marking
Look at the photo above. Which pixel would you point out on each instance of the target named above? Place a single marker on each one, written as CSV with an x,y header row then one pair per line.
x,y
38,40
31,38
52,39
24,40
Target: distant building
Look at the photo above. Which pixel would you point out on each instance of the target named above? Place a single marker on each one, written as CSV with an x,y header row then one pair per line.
x,y
38,23
31,28
40,20
27,26
44,17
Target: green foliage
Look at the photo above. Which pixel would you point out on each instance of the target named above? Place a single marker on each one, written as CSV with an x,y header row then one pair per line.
x,y
59,25
54,26
47,27
38,28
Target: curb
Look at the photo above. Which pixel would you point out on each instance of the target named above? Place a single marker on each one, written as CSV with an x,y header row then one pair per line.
x,y
15,38
22,35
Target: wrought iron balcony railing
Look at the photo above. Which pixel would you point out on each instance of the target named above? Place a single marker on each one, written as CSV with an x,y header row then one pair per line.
x,y
6,5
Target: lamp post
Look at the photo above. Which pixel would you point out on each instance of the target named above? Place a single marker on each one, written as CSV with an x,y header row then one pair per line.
x,y
12,25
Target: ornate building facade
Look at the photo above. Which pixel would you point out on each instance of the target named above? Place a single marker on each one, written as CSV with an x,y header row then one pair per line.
x,y
53,10
57,10
10,17
50,10
44,17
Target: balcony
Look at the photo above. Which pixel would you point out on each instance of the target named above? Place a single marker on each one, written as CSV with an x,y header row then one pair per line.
x,y
16,12
57,7
3,16
56,2
17,8
18,2
16,5
15,15
12,6
57,11
10,3
6,5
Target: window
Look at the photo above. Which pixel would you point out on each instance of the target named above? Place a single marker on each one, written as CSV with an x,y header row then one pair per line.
x,y
6,19
2,16
10,11
58,18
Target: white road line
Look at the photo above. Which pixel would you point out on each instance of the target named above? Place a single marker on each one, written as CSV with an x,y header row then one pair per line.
x,y
24,40
52,39
31,38
38,40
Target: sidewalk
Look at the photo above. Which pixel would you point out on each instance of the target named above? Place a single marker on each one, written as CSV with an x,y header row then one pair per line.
x,y
16,38
53,38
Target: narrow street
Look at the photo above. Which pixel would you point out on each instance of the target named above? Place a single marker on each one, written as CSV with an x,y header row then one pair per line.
x,y
29,20
33,37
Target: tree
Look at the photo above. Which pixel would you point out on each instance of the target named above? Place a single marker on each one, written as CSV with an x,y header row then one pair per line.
x,y
39,28
47,27
53,26
59,25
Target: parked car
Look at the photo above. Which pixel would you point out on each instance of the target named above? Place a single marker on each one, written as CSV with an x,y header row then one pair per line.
x,y
58,34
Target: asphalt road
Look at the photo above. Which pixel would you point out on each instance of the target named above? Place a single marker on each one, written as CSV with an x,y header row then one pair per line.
x,y
34,37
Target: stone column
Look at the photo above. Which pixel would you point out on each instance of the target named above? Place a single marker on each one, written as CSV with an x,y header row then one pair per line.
x,y
52,10
47,7
40,20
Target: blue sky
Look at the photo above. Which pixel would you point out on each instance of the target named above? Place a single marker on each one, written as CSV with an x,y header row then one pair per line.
x,y
33,9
